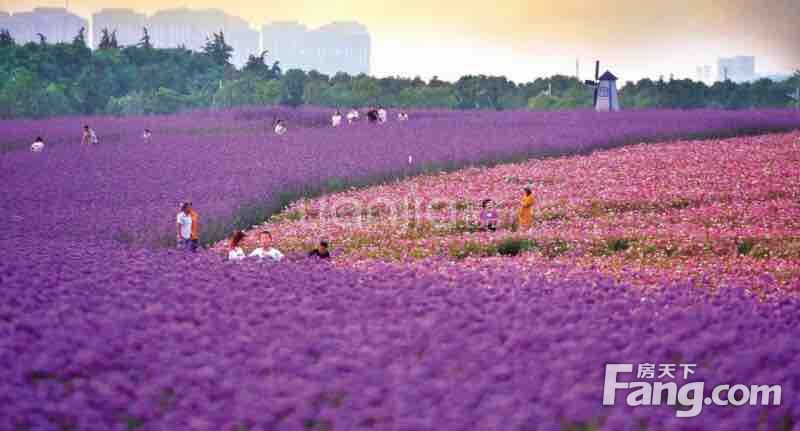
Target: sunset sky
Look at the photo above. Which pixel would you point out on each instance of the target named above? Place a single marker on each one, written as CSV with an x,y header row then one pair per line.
x,y
524,39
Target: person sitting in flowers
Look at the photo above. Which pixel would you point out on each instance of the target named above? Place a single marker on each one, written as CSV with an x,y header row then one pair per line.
x,y
321,252
266,250
525,218
38,145
235,251
89,136
402,116
279,128
488,215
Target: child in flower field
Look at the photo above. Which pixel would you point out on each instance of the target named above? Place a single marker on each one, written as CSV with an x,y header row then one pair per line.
x,y
488,215
235,251
266,250
321,251
525,218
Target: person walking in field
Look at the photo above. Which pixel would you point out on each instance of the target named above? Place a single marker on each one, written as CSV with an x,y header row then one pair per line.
x,y
336,119
89,136
146,136
525,218
266,251
187,222
38,145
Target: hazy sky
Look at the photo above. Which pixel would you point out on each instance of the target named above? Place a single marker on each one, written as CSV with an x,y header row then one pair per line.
x,y
523,39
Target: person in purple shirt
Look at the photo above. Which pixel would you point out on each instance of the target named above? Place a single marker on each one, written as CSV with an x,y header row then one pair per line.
x,y
489,215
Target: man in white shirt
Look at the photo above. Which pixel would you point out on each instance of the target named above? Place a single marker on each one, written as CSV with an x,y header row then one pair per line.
x,y
184,224
38,145
266,250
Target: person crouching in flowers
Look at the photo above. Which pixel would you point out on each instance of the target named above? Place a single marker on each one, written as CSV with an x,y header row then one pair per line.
x,y
279,128
321,252
266,250
38,145
488,216
525,218
235,251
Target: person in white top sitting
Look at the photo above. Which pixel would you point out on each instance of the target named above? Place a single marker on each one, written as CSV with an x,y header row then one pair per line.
x,y
336,119
402,116
146,136
235,251
266,251
280,128
382,115
38,145
352,116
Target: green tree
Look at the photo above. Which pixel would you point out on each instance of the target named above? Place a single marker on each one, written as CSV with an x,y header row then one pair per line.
x,y
219,51
5,38
294,82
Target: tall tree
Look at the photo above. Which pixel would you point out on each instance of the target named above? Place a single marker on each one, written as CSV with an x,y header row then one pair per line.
x,y
144,42
219,51
293,87
80,38
105,39
6,39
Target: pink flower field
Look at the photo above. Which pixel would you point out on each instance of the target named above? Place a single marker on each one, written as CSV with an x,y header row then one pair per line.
x,y
710,212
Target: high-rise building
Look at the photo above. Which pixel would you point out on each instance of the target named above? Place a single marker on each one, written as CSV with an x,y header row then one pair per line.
x,y
192,28
55,24
336,47
127,23
737,69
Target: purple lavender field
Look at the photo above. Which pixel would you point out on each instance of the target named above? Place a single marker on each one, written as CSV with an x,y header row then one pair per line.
x,y
102,327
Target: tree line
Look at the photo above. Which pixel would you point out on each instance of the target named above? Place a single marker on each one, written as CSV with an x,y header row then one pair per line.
x,y
41,79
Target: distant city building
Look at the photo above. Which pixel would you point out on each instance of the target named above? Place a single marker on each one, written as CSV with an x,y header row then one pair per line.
x,y
127,23
737,69
56,24
192,28
336,47
704,74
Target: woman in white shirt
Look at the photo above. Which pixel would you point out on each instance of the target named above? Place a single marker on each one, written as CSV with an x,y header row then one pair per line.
x,y
352,116
235,251
336,119
382,115
38,145
266,251
280,128
146,136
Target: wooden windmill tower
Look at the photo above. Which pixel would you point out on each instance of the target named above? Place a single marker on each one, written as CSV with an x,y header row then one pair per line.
x,y
606,98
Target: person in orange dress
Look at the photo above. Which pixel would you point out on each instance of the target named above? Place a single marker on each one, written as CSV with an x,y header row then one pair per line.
x,y
526,211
